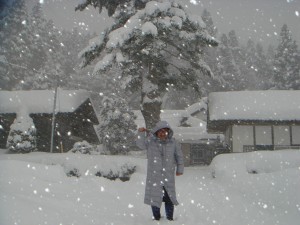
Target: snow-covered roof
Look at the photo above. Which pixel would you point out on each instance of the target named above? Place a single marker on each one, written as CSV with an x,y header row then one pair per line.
x,y
255,105
196,131
198,106
174,117
41,101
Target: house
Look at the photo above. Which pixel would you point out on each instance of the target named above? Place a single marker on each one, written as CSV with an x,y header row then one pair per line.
x,y
256,120
74,119
197,145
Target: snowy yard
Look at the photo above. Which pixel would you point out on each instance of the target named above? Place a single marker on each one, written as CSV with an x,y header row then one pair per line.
x,y
236,189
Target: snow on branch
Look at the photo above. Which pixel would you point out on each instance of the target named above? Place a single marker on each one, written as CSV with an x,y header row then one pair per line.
x,y
149,28
139,23
197,21
92,50
104,63
153,8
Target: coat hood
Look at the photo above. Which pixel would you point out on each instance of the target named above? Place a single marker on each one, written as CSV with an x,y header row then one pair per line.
x,y
161,125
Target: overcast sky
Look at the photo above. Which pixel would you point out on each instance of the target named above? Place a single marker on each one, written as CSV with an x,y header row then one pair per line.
x,y
260,20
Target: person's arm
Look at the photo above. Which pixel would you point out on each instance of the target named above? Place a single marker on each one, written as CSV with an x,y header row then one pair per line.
x,y
141,138
179,160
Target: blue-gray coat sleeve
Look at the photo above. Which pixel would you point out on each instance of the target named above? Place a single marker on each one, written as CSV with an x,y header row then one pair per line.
x,y
179,159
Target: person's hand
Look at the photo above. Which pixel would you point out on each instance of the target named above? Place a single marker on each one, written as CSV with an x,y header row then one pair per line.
x,y
178,174
142,129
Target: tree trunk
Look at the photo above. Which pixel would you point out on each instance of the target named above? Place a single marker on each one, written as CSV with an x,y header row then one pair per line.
x,y
151,113
150,103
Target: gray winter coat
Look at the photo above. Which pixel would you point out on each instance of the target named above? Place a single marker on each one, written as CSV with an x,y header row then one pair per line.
x,y
163,157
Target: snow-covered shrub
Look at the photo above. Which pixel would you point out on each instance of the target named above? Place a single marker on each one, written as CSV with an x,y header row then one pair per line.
x,y
123,174
22,135
82,147
73,173
117,126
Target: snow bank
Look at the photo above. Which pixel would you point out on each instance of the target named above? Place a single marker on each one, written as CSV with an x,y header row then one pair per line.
x,y
236,165
35,190
81,164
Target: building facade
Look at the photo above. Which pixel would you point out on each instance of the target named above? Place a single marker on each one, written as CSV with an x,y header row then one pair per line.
x,y
75,117
256,120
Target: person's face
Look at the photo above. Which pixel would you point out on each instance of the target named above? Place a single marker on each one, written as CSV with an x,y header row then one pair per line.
x,y
163,133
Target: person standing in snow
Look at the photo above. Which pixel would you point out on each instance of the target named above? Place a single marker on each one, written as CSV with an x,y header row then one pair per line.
x,y
164,155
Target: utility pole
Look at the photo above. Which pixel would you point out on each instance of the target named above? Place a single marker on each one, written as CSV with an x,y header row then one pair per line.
x,y
53,120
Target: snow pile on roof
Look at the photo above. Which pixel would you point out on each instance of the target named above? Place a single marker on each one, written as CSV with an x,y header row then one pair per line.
x,y
41,101
198,106
196,131
255,105
173,117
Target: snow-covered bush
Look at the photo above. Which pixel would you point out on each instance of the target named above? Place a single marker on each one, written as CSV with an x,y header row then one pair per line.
x,y
117,126
82,147
123,173
22,135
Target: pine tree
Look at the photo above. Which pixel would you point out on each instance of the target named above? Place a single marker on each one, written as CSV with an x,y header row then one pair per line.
x,y
227,67
207,19
210,55
15,42
71,43
37,29
50,73
32,50
239,60
156,46
117,125
251,61
22,135
286,62
263,68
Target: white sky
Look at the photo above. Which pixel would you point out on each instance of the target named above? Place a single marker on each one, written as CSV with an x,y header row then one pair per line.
x,y
258,19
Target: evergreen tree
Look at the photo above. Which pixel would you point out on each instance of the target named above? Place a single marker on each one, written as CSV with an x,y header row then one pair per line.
x,y
207,19
239,60
263,68
15,42
37,25
251,61
158,45
286,62
117,126
258,70
32,49
22,135
71,43
227,67
210,55
270,56
50,73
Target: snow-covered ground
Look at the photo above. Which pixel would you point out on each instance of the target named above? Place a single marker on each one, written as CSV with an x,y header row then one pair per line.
x,y
236,189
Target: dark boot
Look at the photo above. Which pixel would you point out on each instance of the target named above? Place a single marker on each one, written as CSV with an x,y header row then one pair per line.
x,y
156,212
169,206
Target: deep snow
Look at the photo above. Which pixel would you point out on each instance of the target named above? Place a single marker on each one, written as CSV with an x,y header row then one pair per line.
x,y
236,189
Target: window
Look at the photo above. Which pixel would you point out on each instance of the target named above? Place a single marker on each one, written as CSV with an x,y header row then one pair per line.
x,y
296,135
281,135
242,135
263,135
